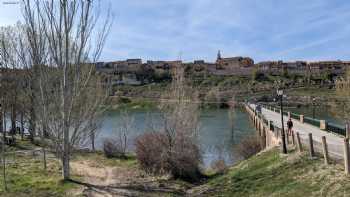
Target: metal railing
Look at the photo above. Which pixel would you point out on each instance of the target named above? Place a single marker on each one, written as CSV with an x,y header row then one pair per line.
x,y
334,128
295,116
330,127
314,122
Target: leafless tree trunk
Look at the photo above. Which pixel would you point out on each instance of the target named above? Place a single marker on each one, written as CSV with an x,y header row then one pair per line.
x,y
231,115
92,141
69,30
22,124
4,63
3,144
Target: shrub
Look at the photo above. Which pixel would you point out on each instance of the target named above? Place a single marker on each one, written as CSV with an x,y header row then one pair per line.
x,y
159,154
174,149
112,148
150,152
249,146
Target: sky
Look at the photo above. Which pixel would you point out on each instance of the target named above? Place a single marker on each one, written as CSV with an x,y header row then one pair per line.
x,y
190,30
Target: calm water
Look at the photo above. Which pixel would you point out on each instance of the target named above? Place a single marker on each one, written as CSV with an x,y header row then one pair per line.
x,y
215,136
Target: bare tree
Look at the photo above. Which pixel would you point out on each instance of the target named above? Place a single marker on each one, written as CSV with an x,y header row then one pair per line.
x,y
231,115
3,64
8,62
75,92
173,147
117,145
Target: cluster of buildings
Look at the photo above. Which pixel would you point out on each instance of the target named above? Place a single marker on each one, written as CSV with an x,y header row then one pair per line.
x,y
136,72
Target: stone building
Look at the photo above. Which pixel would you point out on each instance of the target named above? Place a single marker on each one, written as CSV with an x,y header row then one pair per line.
x,y
134,71
233,62
333,67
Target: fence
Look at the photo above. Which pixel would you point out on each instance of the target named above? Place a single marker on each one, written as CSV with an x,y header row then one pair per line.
x,y
266,129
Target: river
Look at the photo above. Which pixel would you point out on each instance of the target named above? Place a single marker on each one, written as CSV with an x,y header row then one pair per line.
x,y
215,136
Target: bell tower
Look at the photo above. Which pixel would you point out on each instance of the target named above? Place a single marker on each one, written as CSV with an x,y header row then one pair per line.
x,y
218,56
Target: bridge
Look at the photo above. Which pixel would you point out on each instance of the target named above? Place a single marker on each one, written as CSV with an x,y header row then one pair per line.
x,y
268,123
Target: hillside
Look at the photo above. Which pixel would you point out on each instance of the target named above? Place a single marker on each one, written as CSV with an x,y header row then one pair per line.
x,y
272,174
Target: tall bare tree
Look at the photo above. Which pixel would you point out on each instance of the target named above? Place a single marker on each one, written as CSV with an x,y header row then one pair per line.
x,y
3,64
74,42
8,89
231,115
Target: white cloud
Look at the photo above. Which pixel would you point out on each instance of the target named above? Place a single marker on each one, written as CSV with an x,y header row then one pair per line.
x,y
269,29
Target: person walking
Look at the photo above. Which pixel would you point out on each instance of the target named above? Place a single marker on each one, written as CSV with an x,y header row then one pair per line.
x,y
290,126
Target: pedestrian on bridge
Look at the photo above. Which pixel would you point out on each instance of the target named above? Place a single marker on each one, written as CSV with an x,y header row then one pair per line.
x,y
290,126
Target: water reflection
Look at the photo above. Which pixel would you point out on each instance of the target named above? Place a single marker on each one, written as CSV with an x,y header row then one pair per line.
x,y
215,136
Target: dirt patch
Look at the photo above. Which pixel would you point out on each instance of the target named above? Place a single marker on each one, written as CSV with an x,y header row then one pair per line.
x,y
123,181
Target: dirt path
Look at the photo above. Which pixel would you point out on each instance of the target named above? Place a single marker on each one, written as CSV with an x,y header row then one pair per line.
x,y
108,181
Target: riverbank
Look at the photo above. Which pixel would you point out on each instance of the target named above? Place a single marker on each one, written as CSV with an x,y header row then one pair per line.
x,y
148,96
92,173
267,174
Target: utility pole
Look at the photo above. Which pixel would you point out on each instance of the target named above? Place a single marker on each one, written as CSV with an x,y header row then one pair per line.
x,y
284,146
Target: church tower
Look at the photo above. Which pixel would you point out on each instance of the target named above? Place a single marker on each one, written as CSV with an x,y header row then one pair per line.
x,y
218,56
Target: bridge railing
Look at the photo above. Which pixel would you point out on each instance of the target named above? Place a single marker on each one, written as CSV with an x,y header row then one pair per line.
x,y
268,132
306,142
314,122
294,116
335,128
329,126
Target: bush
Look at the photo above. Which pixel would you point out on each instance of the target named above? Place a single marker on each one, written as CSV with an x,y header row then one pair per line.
x,y
249,146
149,152
113,148
159,154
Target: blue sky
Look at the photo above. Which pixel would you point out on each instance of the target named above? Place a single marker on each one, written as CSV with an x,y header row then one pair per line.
x,y
196,29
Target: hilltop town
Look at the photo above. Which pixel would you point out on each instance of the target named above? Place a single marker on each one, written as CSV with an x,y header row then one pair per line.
x,y
137,72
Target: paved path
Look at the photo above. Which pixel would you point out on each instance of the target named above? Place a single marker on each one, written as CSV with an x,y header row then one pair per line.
x,y
335,142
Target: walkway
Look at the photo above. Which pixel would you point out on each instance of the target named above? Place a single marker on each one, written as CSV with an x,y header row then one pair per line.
x,y
335,142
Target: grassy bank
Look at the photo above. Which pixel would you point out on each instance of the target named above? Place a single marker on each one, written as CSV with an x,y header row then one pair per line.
x,y
266,174
92,174
270,174
25,174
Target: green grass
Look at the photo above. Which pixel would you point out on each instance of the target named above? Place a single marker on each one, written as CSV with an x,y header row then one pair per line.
x,y
140,104
270,174
26,177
